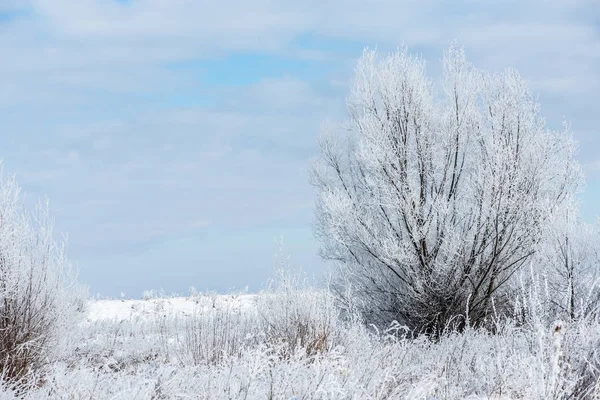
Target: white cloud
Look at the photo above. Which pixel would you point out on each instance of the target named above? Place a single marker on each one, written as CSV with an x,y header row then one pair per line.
x,y
105,45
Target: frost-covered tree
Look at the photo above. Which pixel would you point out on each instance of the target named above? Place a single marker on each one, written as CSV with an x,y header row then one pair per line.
x,y
39,295
571,257
430,200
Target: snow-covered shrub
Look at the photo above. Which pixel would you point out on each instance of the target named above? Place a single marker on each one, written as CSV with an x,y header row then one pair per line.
x,y
211,334
298,317
148,294
39,296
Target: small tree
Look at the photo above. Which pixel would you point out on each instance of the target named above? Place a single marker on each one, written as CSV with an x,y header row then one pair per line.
x,y
571,257
431,201
39,297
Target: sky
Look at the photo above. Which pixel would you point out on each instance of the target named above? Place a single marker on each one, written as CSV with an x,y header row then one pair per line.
x,y
173,137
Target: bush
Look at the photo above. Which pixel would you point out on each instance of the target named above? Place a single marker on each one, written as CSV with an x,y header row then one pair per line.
x,y
213,334
297,317
39,296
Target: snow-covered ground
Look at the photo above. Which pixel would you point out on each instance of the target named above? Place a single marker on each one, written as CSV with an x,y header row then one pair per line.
x,y
120,310
290,343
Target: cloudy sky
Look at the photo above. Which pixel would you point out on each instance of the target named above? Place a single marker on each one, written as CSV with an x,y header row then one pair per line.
x,y
173,136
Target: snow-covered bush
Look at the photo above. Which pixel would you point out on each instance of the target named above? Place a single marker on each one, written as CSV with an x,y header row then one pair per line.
x,y
149,295
213,333
39,295
297,317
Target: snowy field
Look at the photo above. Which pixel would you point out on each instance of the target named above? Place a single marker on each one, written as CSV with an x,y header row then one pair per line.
x,y
124,310
289,342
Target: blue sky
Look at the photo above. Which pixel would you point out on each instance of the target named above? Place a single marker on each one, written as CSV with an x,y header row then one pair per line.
x,y
173,137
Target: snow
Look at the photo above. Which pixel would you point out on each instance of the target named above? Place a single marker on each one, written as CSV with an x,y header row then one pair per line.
x,y
121,310
239,347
